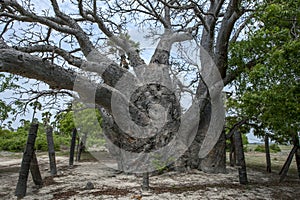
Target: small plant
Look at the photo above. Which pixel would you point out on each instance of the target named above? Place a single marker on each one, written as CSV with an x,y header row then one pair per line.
x,y
159,164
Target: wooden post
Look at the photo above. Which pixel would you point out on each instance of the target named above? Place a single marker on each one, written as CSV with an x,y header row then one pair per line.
x,y
25,165
240,158
232,155
35,171
283,172
145,185
295,150
297,154
51,150
77,148
267,150
72,147
81,146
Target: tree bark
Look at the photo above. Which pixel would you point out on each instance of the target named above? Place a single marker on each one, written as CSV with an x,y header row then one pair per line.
x,y
26,161
215,161
35,171
267,150
72,147
51,151
240,158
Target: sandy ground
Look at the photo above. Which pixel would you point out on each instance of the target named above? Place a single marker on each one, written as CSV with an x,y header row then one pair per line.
x,y
70,183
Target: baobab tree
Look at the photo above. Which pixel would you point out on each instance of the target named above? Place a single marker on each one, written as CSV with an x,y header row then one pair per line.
x,y
69,45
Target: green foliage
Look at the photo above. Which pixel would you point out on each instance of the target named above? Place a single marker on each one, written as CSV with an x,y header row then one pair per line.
x,y
160,164
15,141
113,48
268,92
7,82
86,120
274,148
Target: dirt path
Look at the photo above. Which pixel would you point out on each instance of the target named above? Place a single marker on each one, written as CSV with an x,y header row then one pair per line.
x,y
71,183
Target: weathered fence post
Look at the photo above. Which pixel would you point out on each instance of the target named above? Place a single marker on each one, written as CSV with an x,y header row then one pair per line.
x,y
35,171
232,155
26,161
267,151
82,144
240,158
51,150
284,170
145,184
72,147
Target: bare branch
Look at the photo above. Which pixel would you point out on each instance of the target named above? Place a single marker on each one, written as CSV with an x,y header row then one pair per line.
x,y
75,61
241,28
26,65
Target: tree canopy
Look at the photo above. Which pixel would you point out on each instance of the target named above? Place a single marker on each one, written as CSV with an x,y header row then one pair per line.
x,y
268,93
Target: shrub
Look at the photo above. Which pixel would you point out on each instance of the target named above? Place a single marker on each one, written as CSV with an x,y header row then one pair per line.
x,y
260,148
16,141
274,148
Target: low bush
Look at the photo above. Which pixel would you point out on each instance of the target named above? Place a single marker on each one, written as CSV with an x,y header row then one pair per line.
x,y
274,148
16,141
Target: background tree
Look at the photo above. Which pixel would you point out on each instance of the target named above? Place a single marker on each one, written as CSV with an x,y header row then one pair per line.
x,y
268,93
